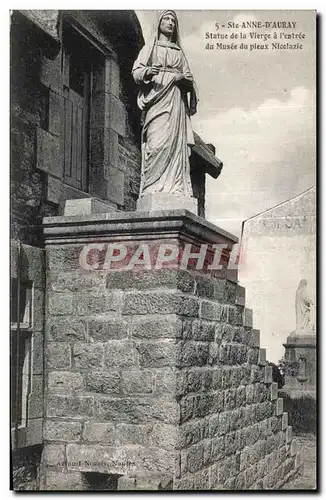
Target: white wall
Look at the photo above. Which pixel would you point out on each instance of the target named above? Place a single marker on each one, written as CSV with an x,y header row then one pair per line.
x,y
278,249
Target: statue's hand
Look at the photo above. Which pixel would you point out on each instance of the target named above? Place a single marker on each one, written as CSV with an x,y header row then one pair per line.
x,y
152,71
184,82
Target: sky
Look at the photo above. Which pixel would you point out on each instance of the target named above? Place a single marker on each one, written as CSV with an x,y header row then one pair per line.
x,y
257,108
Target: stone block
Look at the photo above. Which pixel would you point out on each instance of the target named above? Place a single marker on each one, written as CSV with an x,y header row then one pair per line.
x,y
248,317
75,281
255,339
231,443
289,434
138,410
230,399
159,303
119,354
162,201
55,107
241,396
208,403
65,330
246,336
284,421
70,406
227,469
38,309
205,287
126,483
38,349
185,483
131,434
195,457
100,432
230,292
190,433
253,355
167,381
211,311
262,357
88,355
203,331
155,328
112,79
48,153
165,436
63,258
240,296
142,279
293,449
65,383
32,266
64,481
103,382
58,356
34,431
56,430
268,374
119,459
53,455
191,354
87,206
279,406
50,74
102,330
187,405
136,382
115,114
97,303
202,480
236,315
115,185
274,391
213,353
60,304
156,354
53,190
217,450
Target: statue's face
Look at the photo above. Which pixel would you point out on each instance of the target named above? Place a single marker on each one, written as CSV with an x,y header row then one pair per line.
x,y
167,25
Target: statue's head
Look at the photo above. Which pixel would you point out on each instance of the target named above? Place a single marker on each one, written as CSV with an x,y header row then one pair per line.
x,y
303,283
168,25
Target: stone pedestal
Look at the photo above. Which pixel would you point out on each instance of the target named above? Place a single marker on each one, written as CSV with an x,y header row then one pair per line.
x,y
166,201
87,206
153,370
300,364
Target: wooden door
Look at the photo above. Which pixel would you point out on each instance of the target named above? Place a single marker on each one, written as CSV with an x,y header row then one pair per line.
x,y
76,91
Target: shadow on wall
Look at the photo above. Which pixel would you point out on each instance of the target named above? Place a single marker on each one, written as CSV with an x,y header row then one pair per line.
x,y
301,412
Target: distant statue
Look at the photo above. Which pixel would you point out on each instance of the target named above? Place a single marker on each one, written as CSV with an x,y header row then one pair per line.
x,y
304,308
167,97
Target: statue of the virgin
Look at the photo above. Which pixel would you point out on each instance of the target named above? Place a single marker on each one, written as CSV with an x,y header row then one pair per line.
x,y
303,308
167,98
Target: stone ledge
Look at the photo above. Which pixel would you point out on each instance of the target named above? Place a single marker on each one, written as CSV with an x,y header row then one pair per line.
x,y
122,225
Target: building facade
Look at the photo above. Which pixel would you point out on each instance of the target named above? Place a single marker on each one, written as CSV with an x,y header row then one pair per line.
x,y
75,134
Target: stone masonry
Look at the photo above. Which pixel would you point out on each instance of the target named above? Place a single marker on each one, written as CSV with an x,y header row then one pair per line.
x,y
156,376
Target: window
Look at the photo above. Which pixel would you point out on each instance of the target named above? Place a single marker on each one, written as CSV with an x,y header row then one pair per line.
x,y
20,350
77,69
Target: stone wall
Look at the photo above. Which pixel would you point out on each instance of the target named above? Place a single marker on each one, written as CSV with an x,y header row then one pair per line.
x,y
157,374
31,267
38,187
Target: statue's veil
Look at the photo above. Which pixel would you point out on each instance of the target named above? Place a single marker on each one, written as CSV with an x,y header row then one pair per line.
x,y
175,39
156,32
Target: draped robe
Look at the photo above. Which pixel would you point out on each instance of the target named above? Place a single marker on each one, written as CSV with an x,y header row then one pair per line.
x,y
167,132
303,308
